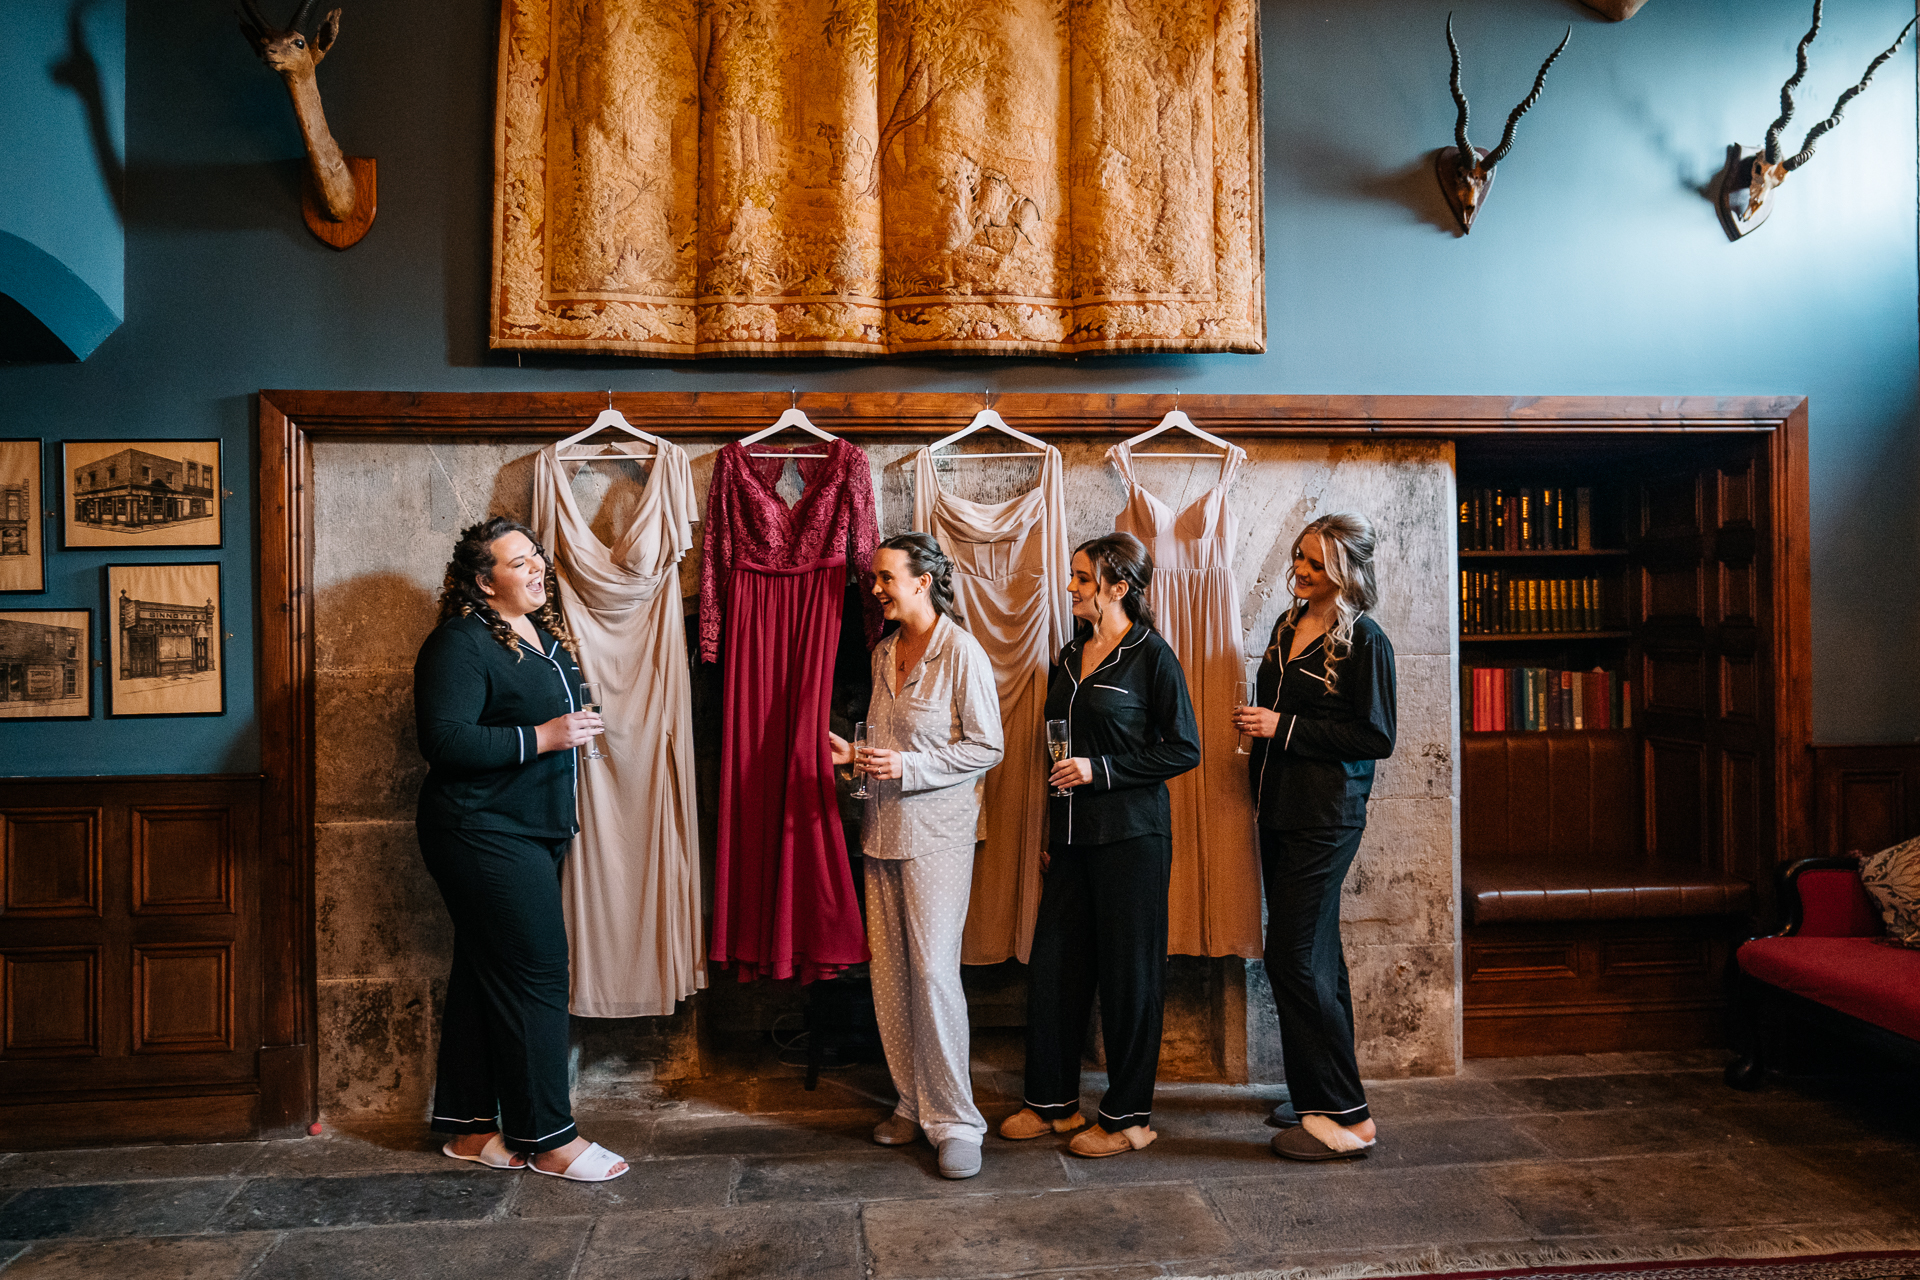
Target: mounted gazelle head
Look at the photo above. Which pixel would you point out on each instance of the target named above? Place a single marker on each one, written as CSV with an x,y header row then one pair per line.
x,y
1465,172
334,197
1744,196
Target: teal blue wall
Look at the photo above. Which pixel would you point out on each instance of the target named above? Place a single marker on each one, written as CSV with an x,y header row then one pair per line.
x,y
1596,269
62,145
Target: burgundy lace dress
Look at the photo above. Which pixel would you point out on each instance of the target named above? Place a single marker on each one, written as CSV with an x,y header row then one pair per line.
x,y
773,583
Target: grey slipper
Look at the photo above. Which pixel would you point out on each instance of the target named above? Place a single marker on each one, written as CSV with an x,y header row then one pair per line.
x,y
895,1131
1298,1144
959,1158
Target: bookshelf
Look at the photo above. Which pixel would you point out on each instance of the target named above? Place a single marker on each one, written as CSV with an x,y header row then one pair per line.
x,y
1612,654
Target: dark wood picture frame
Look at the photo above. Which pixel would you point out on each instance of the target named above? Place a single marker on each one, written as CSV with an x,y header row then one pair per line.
x,y
139,512
17,677
22,520
290,422
160,627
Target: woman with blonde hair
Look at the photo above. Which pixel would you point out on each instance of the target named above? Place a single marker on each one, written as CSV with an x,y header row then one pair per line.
x,y
1325,711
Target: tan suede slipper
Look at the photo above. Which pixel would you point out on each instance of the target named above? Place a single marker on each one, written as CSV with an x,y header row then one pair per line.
x,y
1097,1143
1026,1123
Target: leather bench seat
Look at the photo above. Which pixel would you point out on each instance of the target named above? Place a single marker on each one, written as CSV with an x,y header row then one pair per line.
x,y
1548,832
1507,892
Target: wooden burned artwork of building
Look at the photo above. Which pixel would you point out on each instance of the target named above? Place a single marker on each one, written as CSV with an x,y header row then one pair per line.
x,y
40,663
15,511
162,639
134,489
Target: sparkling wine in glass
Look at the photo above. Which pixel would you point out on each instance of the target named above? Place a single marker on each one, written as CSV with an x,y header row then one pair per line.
x,y
1059,747
590,701
1243,696
860,745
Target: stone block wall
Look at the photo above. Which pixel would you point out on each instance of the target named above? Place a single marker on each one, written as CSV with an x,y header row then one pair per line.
x,y
386,515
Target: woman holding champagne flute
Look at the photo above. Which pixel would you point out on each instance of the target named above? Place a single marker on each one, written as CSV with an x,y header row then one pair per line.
x,y
1325,712
495,693
933,731
1123,724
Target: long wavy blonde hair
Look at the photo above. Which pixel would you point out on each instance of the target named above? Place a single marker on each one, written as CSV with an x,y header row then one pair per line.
x,y
1346,544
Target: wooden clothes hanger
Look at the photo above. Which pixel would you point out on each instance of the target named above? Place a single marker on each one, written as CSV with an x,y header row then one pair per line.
x,y
1178,420
988,418
791,417
609,417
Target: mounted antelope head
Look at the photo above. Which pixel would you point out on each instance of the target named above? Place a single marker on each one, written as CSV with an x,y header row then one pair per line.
x,y
339,197
1465,171
1743,197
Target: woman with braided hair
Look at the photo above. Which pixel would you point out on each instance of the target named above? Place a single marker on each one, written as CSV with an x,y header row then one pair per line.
x,y
933,732
495,702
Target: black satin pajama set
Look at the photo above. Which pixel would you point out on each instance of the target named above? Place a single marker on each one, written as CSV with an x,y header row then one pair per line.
x,y
496,819
1311,781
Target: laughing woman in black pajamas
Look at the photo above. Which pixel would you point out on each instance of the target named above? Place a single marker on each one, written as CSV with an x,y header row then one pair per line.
x,y
1325,714
1102,922
495,694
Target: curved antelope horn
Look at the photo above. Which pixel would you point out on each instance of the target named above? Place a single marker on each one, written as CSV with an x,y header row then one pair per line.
x,y
1499,153
1813,134
1786,90
251,16
300,15
1467,156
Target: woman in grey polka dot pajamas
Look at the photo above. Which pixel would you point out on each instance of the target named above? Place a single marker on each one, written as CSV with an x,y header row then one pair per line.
x,y
933,731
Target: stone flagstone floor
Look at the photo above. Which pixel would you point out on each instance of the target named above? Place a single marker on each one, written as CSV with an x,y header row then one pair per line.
x,y
754,1177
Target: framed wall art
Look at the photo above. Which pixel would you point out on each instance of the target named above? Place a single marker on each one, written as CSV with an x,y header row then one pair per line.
x,y
126,494
46,664
166,650
23,561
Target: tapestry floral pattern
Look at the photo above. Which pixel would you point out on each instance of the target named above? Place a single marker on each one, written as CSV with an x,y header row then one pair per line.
x,y
683,178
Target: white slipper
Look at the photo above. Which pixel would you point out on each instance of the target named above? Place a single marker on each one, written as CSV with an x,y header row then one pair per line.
x,y
590,1165
494,1155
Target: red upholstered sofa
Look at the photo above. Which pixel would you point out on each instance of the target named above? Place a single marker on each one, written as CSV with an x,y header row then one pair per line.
x,y
1828,972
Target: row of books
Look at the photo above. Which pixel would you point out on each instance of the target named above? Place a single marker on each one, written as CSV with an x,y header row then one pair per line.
x,y
1495,603
1528,699
1526,519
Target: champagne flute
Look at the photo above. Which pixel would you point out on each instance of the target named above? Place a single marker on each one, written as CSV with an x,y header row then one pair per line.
x,y
1059,747
860,745
590,701
1243,696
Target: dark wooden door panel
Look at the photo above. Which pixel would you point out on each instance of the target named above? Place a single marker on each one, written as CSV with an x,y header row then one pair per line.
x,y
52,862
130,961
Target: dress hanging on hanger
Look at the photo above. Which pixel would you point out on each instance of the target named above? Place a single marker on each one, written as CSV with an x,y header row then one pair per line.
x,y
1213,899
631,887
773,585
1010,581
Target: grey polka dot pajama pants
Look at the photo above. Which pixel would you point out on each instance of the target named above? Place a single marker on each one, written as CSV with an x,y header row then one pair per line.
x,y
916,909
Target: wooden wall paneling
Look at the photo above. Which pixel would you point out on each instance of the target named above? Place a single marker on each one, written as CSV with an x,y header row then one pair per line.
x,y
289,420
1867,797
130,999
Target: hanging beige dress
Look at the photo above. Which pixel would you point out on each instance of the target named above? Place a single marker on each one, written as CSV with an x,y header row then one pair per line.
x,y
1213,901
631,885
1010,580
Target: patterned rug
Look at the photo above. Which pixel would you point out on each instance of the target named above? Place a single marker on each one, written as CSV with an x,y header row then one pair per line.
x,y
1881,1264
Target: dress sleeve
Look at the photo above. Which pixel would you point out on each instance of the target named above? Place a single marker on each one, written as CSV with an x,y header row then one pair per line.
x,y
1178,746
449,697
863,537
980,745
1365,731
716,555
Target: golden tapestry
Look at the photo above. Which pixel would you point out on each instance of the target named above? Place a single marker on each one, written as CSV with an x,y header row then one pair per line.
x,y
866,177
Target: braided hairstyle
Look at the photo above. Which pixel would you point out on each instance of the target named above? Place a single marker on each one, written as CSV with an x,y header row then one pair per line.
x,y
461,596
1121,557
924,556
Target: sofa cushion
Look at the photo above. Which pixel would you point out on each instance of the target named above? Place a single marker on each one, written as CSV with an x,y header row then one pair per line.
x,y
1514,890
1833,904
1892,876
1863,977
